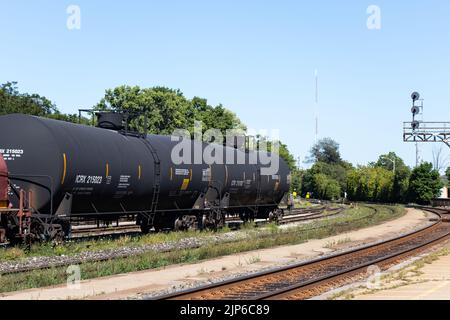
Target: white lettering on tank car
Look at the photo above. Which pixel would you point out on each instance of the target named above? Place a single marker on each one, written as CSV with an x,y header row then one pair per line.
x,y
83,191
181,172
11,154
237,183
94,179
10,191
80,179
124,179
83,179
124,182
206,175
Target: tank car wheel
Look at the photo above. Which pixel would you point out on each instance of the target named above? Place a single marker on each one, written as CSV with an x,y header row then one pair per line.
x,y
54,232
37,230
58,238
213,220
145,228
185,223
244,217
157,227
178,225
276,215
65,228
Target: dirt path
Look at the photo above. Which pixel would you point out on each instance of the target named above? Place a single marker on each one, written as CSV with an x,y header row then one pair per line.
x,y
132,285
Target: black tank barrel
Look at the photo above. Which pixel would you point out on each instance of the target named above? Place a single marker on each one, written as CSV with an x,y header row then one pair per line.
x,y
108,172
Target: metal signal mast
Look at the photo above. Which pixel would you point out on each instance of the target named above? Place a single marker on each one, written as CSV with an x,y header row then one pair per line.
x,y
419,131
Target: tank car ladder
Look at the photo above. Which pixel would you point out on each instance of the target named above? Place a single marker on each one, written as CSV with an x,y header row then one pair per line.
x,y
156,184
258,191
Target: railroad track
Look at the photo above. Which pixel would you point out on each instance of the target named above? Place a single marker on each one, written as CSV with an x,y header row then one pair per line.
x,y
105,231
309,279
296,215
324,213
104,255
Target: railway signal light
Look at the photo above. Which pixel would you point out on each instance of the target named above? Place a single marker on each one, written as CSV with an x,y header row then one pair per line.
x,y
415,96
415,110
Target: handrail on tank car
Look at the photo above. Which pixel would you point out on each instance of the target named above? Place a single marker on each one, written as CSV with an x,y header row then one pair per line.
x,y
126,113
218,189
22,177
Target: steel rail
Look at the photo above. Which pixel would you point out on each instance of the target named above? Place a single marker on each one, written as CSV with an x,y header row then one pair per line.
x,y
81,260
219,290
297,215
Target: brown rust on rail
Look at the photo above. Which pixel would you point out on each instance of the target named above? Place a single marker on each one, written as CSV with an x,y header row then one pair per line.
x,y
312,278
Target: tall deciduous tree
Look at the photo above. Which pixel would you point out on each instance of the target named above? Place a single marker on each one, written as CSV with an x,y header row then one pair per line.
x,y
424,184
440,160
369,183
168,109
12,101
296,180
401,177
325,150
328,168
447,173
326,188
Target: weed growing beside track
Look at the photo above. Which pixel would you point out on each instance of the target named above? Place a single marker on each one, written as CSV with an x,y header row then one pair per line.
x,y
75,247
255,239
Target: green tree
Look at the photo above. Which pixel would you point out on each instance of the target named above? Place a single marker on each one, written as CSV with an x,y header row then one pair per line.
x,y
325,150
424,184
296,180
12,101
284,153
327,163
164,108
167,110
447,173
368,183
320,185
334,171
326,188
401,178
213,117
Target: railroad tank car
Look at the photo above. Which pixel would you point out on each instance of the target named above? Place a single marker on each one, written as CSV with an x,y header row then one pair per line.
x,y
60,170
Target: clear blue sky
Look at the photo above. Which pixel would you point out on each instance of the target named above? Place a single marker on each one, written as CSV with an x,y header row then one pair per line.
x,y
256,57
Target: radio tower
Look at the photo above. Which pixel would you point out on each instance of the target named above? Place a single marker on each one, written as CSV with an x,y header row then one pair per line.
x,y
317,105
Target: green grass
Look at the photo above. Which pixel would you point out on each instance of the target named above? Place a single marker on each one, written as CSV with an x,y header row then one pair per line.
x,y
255,239
75,247
70,248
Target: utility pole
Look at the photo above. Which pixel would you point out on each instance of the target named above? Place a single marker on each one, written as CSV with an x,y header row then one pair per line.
x,y
417,154
391,160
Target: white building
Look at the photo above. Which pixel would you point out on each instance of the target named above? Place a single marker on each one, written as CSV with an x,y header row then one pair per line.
x,y
444,193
